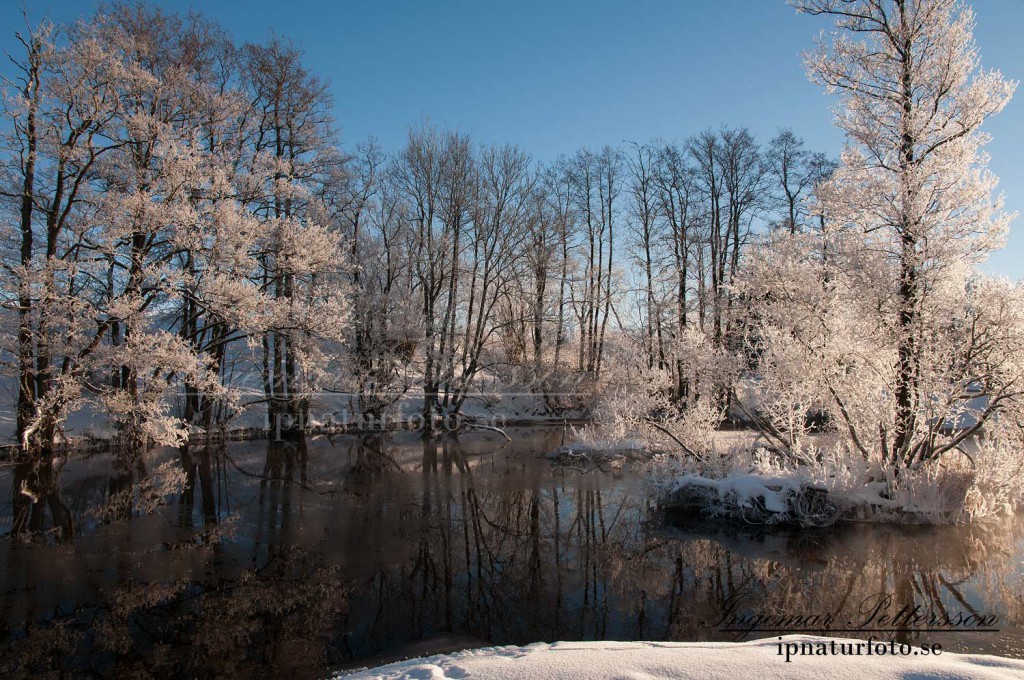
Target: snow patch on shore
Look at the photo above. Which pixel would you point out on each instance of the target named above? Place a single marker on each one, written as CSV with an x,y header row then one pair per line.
x,y
697,660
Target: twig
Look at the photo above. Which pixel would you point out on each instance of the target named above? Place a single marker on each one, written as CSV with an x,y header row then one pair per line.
x,y
490,428
686,449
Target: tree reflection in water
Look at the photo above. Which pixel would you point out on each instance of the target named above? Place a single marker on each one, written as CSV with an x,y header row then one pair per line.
x,y
288,557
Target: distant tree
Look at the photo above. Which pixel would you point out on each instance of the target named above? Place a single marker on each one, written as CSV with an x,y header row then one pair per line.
x,y
796,172
641,165
681,209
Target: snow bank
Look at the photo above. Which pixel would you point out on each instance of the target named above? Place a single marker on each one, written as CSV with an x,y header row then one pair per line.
x,y
746,489
703,660
754,498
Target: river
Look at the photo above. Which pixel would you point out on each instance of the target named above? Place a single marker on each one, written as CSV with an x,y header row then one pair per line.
x,y
291,560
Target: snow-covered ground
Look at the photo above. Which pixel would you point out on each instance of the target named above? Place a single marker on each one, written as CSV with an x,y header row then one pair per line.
x,y
697,660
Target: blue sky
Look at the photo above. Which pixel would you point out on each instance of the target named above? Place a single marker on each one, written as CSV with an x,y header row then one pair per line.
x,y
559,75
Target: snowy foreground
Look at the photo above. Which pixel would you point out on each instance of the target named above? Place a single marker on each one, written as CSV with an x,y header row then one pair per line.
x,y
703,660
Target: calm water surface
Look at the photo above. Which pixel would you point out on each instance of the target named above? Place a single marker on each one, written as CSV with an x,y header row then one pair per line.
x,y
291,560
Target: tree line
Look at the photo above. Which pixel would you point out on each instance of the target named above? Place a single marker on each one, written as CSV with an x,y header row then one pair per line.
x,y
182,207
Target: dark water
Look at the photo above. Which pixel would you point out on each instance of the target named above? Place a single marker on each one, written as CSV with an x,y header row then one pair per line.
x,y
290,561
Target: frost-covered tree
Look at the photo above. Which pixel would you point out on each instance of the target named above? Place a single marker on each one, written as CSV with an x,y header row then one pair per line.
x,y
152,194
50,144
301,261
882,316
101,152
159,219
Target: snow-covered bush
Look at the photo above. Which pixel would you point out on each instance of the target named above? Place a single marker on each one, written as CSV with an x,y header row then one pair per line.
x,y
997,465
637,405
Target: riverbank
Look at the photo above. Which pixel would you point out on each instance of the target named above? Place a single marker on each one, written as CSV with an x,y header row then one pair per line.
x,y
91,444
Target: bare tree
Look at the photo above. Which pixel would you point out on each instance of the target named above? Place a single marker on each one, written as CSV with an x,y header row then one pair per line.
x,y
642,167
680,207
